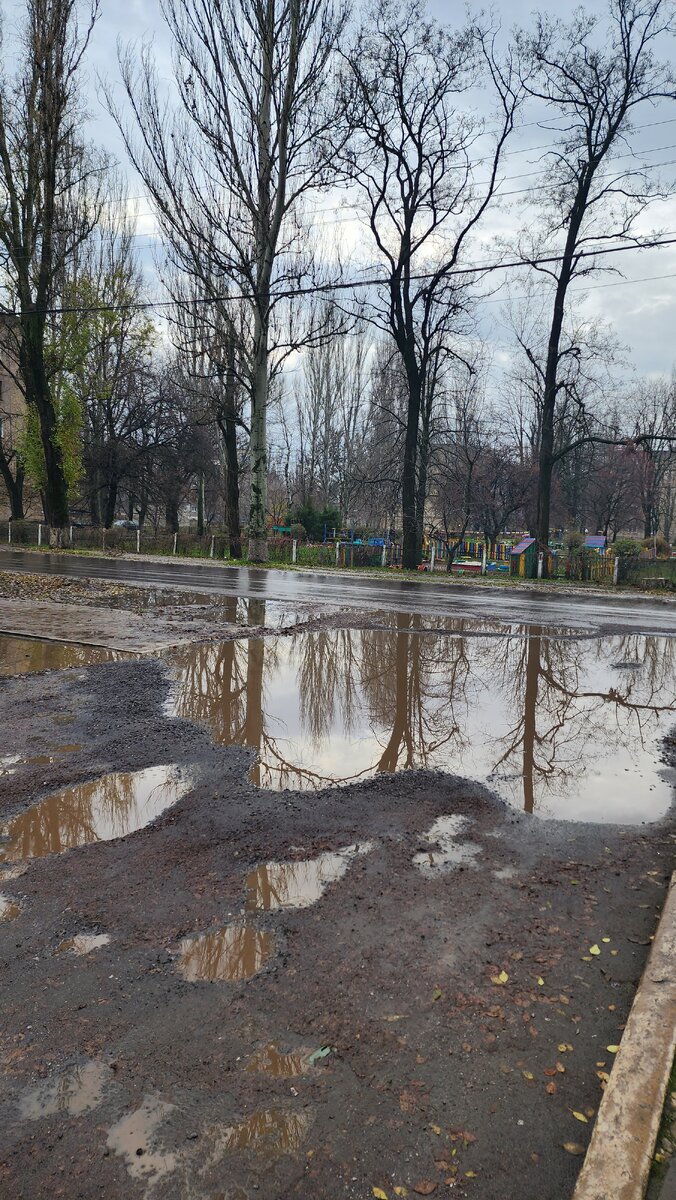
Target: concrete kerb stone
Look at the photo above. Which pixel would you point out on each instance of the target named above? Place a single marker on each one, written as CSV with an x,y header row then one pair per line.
x,y
619,1157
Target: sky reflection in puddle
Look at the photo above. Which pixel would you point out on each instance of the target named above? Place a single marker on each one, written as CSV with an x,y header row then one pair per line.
x,y
298,884
271,1061
550,722
444,850
82,943
111,807
9,909
234,953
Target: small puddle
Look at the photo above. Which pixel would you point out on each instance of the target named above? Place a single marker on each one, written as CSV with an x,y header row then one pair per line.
x,y
234,953
111,807
25,656
549,722
271,1131
82,943
446,851
271,1061
298,884
73,1092
134,1137
9,763
9,909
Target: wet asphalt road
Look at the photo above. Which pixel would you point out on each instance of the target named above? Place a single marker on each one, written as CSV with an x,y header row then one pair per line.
x,y
591,614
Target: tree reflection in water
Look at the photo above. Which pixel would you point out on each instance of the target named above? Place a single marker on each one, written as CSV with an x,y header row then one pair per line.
x,y
552,722
106,808
234,953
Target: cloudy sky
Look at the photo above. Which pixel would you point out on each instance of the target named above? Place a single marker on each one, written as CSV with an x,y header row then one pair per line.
x,y
639,305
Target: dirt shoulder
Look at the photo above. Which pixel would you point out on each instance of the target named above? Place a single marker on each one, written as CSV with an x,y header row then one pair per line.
x,y
462,1019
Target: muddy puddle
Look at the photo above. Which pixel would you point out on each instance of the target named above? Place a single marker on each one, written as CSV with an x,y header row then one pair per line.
x,y
21,656
559,726
9,763
9,909
233,954
82,943
298,884
70,1093
269,1060
111,807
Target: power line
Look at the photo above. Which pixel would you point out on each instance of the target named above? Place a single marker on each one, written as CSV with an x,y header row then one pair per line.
x,y
336,286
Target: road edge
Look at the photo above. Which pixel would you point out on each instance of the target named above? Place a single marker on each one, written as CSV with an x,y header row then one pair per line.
x,y
619,1156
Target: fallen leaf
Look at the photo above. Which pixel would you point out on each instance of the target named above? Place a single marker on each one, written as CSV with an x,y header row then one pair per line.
x,y
425,1187
436,1129
579,1116
527,1075
379,1193
437,994
400,1191
549,1071
600,1064
470,1174
551,1089
614,952
573,1147
395,1017
541,982
321,1053
589,1112
594,949
535,1157
564,1046
587,958
560,1068
501,978
612,1050
605,939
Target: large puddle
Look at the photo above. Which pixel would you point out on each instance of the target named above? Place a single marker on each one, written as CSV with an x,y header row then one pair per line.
x,y
559,726
111,807
234,953
20,656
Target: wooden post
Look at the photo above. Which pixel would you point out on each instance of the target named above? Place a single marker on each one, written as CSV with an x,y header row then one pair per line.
x,y
294,550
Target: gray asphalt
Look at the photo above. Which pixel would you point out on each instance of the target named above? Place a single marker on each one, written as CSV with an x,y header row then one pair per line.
x,y
592,614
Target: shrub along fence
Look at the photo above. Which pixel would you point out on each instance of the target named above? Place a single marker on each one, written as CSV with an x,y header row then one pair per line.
x,y
582,565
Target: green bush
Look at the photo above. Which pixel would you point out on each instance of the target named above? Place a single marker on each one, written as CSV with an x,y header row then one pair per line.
x,y
658,543
625,547
574,539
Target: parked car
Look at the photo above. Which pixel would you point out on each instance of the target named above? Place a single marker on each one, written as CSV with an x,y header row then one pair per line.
x,y
125,525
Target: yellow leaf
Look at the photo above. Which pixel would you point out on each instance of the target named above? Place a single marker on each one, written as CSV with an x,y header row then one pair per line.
x,y
614,952
612,1049
594,949
395,1017
573,1147
541,982
400,1191
379,1193
527,1075
563,1046
579,1116
587,958
601,1064
470,1174
560,1068
435,1129
605,939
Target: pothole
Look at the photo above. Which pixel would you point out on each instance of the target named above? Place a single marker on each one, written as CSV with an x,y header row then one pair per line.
x,y
271,1061
107,808
444,850
9,909
82,943
234,953
73,1092
277,885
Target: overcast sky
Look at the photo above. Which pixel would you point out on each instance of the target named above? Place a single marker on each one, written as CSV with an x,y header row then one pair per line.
x,y
641,310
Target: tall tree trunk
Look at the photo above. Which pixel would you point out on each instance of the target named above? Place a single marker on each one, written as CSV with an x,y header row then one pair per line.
x,y
14,485
227,424
200,505
171,514
39,399
529,718
410,556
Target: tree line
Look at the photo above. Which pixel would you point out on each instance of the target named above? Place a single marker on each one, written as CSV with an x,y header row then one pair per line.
x,y
281,379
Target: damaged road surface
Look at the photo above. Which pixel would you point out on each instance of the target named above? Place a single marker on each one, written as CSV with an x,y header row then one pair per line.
x,y
343,912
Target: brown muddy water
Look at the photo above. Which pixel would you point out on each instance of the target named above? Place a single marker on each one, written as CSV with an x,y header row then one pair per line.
x,y
236,952
25,656
556,725
111,807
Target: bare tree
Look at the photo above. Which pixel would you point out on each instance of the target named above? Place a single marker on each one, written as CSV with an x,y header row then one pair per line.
x,y
50,193
228,170
653,412
591,196
409,155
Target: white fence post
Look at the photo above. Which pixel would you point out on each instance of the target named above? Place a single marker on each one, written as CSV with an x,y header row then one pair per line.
x,y
541,559
9,532
70,535
175,540
616,571
211,548
483,559
294,551
383,557
433,555
337,553
39,533
138,541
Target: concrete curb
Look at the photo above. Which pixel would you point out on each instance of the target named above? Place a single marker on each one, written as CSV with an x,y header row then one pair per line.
x,y
620,1153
